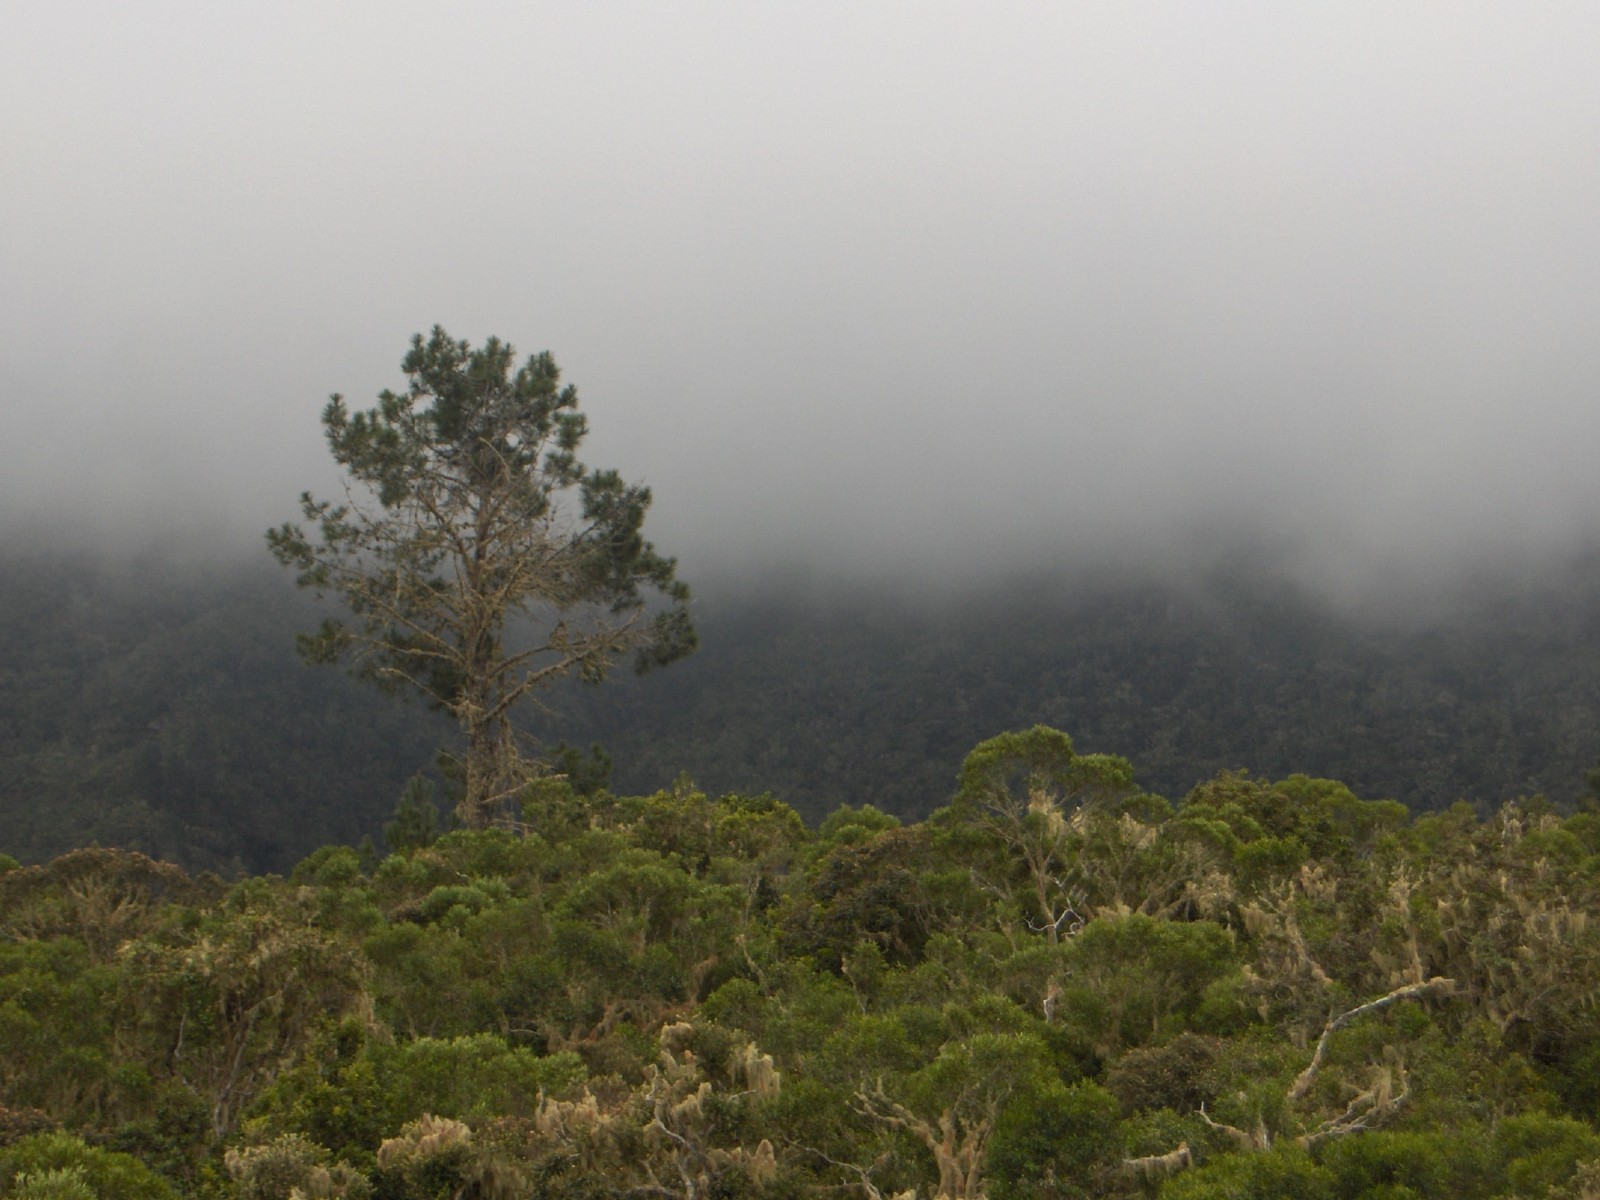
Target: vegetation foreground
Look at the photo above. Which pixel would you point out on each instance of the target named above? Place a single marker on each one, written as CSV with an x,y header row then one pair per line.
x,y
1057,986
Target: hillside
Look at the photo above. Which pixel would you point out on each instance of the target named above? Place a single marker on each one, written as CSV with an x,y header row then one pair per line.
x,y
162,707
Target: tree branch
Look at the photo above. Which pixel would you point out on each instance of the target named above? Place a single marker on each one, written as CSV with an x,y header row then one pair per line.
x,y
1438,985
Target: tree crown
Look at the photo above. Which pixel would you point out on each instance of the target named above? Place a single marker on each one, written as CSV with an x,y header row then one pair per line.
x,y
473,573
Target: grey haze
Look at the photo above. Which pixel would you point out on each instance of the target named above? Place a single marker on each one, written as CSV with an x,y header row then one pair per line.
x,y
898,291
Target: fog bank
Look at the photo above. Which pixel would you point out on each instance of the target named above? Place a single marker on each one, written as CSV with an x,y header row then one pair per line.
x,y
925,294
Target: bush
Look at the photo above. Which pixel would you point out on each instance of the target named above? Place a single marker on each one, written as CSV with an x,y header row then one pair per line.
x,y
293,1164
62,1183
1057,1137
1280,1172
61,1162
1179,1075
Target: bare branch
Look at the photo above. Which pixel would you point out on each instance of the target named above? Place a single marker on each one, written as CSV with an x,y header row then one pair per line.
x,y
1438,985
1154,1167
1367,1110
1245,1141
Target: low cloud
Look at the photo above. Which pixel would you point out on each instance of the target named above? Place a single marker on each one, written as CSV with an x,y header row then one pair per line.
x,y
921,295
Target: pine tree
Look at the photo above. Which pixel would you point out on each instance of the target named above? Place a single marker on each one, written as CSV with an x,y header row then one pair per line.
x,y
479,559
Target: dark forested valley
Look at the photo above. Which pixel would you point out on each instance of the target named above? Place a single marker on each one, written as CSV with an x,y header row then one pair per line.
x,y
162,707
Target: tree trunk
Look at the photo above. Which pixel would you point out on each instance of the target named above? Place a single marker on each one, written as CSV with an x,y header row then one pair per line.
x,y
491,774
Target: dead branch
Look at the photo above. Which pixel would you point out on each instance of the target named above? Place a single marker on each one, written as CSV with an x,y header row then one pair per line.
x,y
1153,1167
1438,985
957,1155
863,1174
1258,1140
1373,1106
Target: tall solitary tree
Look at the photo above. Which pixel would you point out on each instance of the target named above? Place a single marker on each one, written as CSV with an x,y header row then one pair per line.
x,y
479,559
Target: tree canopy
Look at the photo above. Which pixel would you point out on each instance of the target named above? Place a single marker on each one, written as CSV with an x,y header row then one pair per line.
x,y
478,557
1269,989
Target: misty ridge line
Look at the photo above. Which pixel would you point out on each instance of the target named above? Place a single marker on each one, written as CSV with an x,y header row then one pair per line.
x,y
156,696
1404,592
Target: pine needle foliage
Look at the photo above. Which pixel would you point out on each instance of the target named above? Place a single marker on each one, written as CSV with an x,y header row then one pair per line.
x,y
479,559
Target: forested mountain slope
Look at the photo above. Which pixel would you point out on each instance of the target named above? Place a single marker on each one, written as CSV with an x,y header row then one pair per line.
x,y
162,707
870,700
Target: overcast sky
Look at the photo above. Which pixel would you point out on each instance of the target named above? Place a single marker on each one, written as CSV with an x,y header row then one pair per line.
x,y
885,286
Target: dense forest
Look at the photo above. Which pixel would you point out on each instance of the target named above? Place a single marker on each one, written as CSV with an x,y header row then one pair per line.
x,y
930,960
160,706
1056,985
